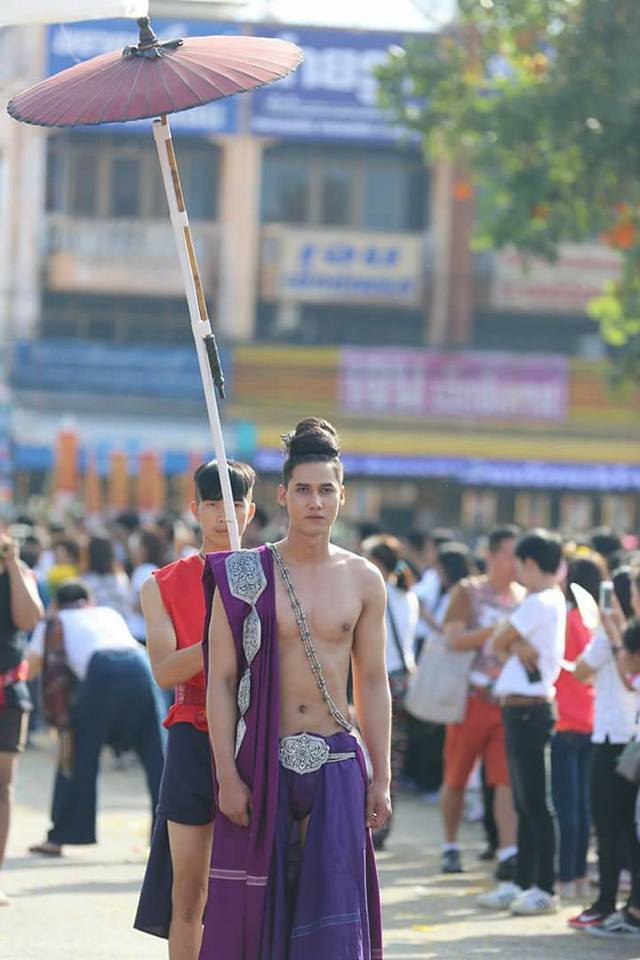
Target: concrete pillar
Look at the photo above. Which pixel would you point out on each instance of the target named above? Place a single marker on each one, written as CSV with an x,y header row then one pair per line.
x,y
239,221
23,185
451,223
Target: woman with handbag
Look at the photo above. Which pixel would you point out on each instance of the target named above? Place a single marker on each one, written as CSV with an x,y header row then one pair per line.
x,y
613,798
401,620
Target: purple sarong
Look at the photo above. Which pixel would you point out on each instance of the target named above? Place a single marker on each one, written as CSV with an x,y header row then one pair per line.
x,y
270,899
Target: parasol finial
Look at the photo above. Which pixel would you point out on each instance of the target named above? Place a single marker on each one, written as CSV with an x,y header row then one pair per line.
x,y
147,37
148,45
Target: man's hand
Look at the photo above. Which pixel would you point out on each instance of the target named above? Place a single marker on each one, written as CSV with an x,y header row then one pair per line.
x,y
613,622
526,654
8,550
234,801
378,805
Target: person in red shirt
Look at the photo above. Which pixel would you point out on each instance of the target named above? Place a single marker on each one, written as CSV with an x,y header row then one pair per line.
x,y
571,746
174,890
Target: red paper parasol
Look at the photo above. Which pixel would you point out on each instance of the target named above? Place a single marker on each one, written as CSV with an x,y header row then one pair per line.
x,y
154,79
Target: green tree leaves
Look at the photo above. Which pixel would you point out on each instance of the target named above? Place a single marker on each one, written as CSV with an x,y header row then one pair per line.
x,y
540,100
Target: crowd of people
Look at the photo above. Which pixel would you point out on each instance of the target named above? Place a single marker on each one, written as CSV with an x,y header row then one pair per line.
x,y
513,663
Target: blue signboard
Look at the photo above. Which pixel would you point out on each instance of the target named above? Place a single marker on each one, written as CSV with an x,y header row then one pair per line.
x,y
333,94
74,42
476,472
75,366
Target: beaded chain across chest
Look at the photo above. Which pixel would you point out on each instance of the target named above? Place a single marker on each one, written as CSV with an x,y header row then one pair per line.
x,y
307,642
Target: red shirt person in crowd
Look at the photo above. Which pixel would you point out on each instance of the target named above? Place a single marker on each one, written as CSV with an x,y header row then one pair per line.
x,y
571,746
174,890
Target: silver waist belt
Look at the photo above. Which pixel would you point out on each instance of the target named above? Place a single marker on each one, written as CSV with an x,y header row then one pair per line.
x,y
306,753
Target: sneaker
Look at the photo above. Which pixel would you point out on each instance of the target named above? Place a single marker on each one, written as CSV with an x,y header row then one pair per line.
x,y
506,869
588,918
619,926
501,898
534,903
488,854
450,861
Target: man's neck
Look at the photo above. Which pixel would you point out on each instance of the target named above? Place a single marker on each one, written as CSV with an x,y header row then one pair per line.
x,y
306,549
499,584
214,546
546,581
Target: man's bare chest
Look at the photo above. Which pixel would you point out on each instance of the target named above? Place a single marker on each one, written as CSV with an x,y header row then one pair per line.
x,y
330,610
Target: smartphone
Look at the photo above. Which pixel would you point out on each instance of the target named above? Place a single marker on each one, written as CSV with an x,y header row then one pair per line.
x,y
606,596
533,675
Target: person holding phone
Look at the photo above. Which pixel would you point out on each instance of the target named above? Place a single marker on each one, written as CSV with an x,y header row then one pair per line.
x,y
613,798
532,643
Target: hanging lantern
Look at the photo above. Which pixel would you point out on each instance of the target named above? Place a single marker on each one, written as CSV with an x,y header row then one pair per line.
x,y
65,482
118,495
92,487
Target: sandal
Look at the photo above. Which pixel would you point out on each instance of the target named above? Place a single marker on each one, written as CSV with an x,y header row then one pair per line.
x,y
46,849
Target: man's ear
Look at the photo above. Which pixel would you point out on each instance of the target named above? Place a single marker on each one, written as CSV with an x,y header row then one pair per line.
x,y
251,512
195,512
282,495
343,495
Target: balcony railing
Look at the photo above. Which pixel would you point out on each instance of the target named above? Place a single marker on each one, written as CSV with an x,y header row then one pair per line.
x,y
123,256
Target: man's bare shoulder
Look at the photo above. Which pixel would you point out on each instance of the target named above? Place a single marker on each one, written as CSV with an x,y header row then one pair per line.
x,y
358,567
150,597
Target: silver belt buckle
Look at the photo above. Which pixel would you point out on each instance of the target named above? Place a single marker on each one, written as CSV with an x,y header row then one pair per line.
x,y
303,753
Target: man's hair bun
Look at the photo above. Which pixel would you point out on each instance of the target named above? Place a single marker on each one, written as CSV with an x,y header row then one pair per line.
x,y
313,436
313,441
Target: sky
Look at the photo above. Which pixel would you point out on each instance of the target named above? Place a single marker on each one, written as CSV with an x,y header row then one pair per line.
x,y
399,15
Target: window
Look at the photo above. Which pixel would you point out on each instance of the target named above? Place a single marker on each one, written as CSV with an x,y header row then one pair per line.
x,y
107,175
124,193
338,189
286,191
377,190
199,185
84,184
55,181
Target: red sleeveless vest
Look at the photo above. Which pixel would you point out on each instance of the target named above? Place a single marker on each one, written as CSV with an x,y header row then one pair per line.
x,y
180,585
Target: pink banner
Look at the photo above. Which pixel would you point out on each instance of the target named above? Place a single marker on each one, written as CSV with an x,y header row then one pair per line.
x,y
472,386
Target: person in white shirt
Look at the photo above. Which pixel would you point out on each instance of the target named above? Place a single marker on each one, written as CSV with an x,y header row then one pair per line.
x,y
604,663
401,618
111,698
532,642
147,553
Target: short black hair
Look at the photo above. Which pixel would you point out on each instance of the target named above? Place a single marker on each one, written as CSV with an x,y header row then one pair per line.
x,y
455,562
508,531
588,572
207,481
71,591
605,541
543,547
622,589
631,636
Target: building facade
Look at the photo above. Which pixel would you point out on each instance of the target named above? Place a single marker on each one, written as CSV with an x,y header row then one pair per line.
x,y
339,273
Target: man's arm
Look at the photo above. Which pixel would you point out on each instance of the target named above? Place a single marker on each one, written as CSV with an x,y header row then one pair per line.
x,y
371,694
507,641
170,666
234,796
26,606
34,662
456,623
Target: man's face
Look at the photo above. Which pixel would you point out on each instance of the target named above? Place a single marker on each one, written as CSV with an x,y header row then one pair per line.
x,y
312,498
526,572
502,561
210,516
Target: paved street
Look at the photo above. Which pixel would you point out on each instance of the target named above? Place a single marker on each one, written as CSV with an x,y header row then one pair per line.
x,y
80,908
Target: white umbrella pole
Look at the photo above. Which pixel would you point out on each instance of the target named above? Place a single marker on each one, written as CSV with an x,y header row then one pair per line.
x,y
200,325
